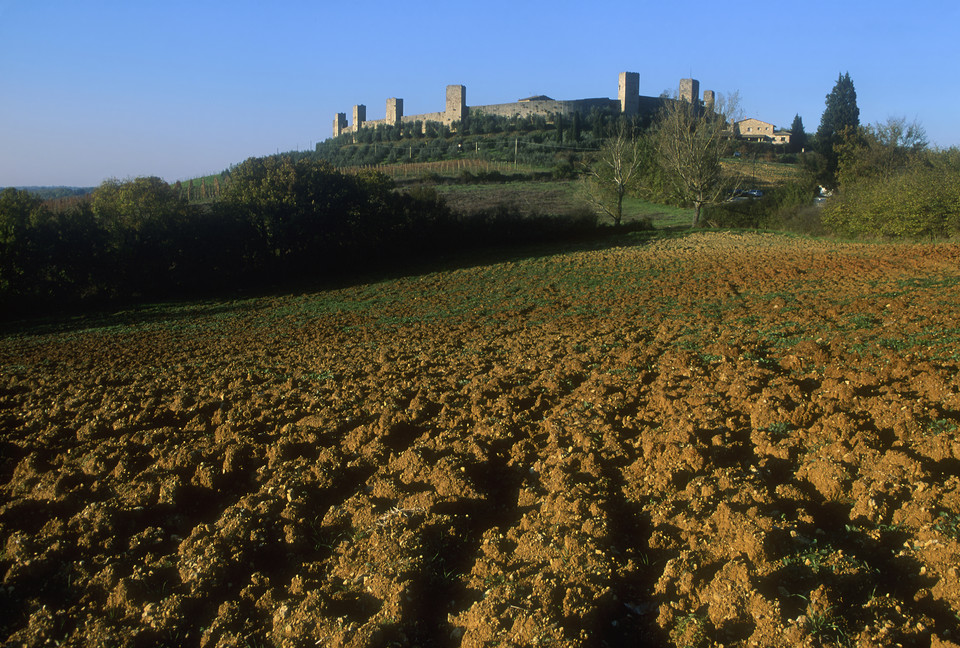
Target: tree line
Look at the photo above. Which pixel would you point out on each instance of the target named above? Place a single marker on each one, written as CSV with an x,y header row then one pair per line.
x,y
534,140
884,179
280,218
887,179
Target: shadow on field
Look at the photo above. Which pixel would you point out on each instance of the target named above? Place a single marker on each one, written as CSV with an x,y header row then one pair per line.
x,y
126,314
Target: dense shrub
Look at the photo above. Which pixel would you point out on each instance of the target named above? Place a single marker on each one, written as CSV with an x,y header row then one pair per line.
x,y
779,208
50,256
280,218
919,203
893,186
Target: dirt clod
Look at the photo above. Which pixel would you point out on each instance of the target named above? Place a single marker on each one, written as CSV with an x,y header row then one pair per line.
x,y
720,439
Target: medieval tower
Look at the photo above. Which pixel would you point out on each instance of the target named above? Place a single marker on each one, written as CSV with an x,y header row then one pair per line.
x,y
456,108
709,100
690,90
394,111
359,115
628,92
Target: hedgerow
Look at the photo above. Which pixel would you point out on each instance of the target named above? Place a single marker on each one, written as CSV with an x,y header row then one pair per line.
x,y
918,203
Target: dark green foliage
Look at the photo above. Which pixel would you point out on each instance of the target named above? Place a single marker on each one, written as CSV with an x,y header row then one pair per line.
x,y
48,255
880,151
840,119
143,222
921,201
534,140
891,186
20,214
281,218
575,128
779,208
509,225
841,110
798,137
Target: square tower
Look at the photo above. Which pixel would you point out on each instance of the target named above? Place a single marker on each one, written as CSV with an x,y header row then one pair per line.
x,y
456,108
629,93
359,116
394,111
709,100
690,91
340,124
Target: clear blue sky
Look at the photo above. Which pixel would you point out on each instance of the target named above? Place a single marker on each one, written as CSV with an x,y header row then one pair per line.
x,y
96,89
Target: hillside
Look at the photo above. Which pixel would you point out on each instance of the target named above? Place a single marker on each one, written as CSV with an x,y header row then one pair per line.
x,y
717,438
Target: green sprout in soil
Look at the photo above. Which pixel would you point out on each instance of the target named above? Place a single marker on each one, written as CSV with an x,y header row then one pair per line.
x,y
941,426
826,628
779,430
689,630
813,556
948,524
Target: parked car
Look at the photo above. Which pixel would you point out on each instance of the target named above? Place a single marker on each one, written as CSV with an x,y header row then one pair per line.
x,y
746,194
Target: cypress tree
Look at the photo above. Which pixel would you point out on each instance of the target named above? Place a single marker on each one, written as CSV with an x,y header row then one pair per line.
x,y
798,137
840,115
841,108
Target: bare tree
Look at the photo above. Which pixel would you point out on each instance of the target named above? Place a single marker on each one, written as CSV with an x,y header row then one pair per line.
x,y
615,171
690,141
896,132
881,150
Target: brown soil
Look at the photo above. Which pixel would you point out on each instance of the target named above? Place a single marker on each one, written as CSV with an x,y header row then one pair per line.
x,y
737,440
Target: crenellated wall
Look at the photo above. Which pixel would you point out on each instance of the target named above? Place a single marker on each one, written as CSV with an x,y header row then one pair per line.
x,y
628,102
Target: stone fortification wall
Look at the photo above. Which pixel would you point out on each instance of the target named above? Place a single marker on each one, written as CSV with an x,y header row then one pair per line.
x,y
405,119
628,102
426,117
544,107
651,105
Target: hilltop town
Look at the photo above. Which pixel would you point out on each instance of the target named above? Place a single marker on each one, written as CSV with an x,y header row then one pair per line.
x,y
629,102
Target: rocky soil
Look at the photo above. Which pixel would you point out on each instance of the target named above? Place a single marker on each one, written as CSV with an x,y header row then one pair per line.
x,y
714,440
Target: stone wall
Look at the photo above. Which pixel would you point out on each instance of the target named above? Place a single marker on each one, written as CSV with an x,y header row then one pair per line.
x,y
628,102
544,107
651,105
426,117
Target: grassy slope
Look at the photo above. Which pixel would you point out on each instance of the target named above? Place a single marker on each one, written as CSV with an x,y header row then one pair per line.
x,y
560,197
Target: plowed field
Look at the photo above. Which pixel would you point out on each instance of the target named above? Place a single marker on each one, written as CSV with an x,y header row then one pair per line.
x,y
720,439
